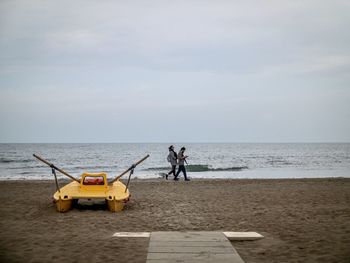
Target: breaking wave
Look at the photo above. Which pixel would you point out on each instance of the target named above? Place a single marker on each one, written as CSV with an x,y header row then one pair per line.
x,y
200,168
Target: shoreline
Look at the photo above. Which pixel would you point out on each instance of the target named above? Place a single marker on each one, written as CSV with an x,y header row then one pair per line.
x,y
304,220
181,179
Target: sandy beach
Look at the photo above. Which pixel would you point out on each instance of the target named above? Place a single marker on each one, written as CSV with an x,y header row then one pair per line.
x,y
304,220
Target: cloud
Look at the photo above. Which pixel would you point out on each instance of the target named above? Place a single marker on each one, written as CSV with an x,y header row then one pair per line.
x,y
186,35
235,65
74,41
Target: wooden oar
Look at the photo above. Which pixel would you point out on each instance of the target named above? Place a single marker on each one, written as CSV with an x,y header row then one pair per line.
x,y
129,169
56,168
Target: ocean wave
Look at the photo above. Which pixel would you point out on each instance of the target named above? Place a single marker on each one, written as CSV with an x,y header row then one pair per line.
x,y
95,167
5,160
201,168
26,172
156,169
279,163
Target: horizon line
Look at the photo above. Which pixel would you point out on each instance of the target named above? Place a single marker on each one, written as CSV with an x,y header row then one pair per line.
x,y
217,142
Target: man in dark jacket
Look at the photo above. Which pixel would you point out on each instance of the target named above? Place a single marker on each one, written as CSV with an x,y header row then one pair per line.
x,y
182,159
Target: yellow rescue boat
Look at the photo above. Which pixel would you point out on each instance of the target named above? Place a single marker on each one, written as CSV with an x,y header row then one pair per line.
x,y
92,186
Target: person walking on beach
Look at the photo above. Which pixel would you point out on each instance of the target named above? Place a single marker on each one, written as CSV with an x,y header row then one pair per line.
x,y
172,159
182,159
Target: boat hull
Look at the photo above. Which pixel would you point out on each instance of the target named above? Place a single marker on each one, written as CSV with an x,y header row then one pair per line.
x,y
63,205
115,206
116,195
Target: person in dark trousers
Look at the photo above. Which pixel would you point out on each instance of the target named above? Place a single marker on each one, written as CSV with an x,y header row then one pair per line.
x,y
182,159
172,159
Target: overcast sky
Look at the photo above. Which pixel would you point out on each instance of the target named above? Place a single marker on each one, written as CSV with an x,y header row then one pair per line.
x,y
175,71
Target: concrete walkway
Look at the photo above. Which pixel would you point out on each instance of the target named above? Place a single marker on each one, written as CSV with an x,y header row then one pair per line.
x,y
191,247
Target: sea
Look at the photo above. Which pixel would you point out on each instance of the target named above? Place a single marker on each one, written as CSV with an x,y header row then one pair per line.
x,y
206,160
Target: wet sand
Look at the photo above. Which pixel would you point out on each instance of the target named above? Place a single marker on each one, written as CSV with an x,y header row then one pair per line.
x,y
304,220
